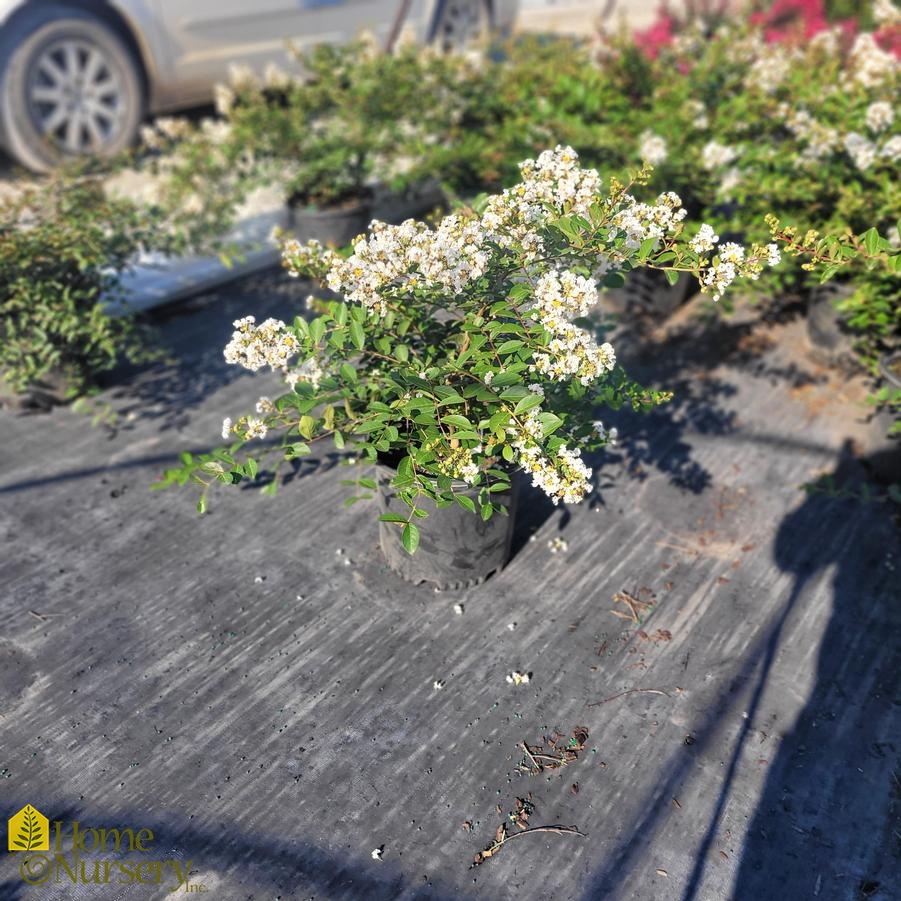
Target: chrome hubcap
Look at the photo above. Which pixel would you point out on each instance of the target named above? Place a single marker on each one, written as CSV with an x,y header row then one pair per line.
x,y
74,96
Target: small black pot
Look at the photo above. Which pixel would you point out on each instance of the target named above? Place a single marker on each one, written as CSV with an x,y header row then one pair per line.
x,y
457,548
335,227
648,292
412,204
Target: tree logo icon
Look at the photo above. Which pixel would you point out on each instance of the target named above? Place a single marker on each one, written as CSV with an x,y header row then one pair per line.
x,y
29,830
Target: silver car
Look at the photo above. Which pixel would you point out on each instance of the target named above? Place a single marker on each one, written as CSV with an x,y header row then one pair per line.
x,y
79,76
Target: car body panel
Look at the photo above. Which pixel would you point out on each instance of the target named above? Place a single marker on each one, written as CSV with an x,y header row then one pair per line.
x,y
204,37
187,46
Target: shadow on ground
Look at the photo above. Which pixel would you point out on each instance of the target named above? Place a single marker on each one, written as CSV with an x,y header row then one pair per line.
x,y
192,336
688,361
839,762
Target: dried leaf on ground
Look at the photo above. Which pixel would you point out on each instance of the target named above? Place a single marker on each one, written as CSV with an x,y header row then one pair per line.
x,y
553,752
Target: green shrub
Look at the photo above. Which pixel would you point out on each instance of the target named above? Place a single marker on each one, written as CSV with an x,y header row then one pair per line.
x,y
63,246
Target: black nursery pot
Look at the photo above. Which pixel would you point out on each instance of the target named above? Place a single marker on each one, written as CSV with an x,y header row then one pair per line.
x,y
335,227
457,548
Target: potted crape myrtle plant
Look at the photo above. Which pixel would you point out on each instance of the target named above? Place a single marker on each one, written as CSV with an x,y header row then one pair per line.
x,y
355,120
452,357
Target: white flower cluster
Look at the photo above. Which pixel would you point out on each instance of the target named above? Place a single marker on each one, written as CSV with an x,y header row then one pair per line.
x,y
246,428
303,259
640,221
891,150
565,478
223,99
732,262
554,184
408,256
275,77
652,148
886,13
573,353
698,113
255,346
704,240
562,295
309,371
611,435
820,140
770,69
870,64
861,150
880,116
716,155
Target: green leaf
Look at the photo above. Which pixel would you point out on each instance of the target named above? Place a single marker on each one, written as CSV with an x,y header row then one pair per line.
x,y
528,403
201,505
348,373
356,335
457,420
404,471
298,449
392,517
871,240
250,469
317,329
410,538
339,440
306,426
672,276
486,511
367,483
467,503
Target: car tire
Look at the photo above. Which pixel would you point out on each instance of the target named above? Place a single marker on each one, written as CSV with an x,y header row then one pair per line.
x,y
70,87
460,22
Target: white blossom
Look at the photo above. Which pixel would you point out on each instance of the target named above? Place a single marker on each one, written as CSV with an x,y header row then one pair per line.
x,y
652,148
880,116
714,155
255,346
704,240
861,150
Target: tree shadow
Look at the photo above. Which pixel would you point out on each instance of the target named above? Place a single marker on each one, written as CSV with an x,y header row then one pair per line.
x,y
808,819
192,335
693,359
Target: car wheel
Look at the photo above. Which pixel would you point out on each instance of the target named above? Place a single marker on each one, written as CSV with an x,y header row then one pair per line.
x,y
70,87
460,22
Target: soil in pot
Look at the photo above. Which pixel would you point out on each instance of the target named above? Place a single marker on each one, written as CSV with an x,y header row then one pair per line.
x,y
457,548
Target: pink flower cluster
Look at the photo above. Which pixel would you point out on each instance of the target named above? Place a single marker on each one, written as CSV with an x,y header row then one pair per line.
x,y
785,22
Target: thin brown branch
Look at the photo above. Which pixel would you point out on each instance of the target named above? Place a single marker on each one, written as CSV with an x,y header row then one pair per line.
x,y
629,691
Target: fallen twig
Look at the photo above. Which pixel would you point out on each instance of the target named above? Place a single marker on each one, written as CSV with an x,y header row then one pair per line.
x,y
502,837
629,691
